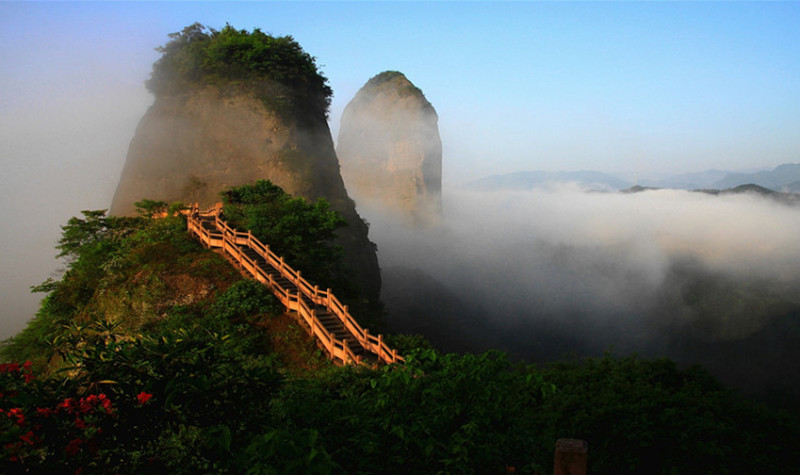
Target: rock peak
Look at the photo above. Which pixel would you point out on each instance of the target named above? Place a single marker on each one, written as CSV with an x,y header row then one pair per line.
x,y
201,137
390,151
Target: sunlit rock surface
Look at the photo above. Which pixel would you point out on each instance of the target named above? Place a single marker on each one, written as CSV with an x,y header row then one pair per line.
x,y
190,147
390,151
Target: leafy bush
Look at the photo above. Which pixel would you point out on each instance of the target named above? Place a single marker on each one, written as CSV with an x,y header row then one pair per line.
x,y
437,414
246,297
299,231
186,403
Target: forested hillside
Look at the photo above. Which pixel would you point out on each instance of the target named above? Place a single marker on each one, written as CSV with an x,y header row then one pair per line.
x,y
154,354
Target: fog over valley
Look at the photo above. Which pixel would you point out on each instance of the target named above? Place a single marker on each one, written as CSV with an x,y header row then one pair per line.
x,y
556,272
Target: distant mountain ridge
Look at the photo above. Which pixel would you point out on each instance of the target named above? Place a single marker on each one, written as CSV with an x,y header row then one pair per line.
x,y
528,180
790,199
784,178
687,181
779,196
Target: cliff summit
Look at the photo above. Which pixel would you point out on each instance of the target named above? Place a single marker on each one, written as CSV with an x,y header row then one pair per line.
x,y
233,107
390,150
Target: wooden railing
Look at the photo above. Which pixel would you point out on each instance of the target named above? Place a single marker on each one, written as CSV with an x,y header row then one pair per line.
x,y
230,241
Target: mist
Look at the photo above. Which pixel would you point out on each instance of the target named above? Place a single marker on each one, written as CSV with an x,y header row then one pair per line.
x,y
565,272
71,96
61,154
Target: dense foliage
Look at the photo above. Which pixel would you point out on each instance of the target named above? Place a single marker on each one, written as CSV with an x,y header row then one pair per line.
x,y
145,357
299,231
650,417
188,379
276,69
481,414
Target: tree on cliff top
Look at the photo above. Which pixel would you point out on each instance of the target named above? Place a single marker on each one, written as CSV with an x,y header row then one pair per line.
x,y
392,82
406,88
276,69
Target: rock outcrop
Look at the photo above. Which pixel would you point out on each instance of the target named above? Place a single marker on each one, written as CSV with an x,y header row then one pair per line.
x,y
390,151
191,146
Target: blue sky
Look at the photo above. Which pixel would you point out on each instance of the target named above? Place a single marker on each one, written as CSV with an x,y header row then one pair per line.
x,y
632,88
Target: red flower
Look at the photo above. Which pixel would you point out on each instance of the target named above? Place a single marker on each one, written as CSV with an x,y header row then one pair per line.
x,y
44,411
80,423
28,438
73,447
28,375
17,412
9,367
67,404
143,397
105,402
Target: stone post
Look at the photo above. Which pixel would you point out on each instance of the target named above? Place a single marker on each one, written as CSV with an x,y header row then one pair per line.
x,y
571,457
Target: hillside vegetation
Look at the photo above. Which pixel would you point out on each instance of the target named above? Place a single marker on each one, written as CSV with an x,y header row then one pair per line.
x,y
276,69
301,232
406,88
153,354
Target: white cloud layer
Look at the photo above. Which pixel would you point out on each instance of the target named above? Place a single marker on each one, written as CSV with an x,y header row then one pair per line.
x,y
628,264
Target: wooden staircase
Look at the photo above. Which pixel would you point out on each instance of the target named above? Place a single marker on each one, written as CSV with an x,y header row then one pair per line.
x,y
320,312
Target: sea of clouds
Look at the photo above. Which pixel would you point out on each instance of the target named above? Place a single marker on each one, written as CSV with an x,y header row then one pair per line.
x,y
653,272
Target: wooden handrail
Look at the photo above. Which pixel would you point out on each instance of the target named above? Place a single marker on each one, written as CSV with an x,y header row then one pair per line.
x,y
229,240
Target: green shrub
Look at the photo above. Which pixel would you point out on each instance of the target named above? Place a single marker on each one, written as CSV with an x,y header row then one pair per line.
x,y
245,298
299,231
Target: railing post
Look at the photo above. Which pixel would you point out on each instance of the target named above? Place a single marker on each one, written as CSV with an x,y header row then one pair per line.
x,y
329,298
344,347
570,457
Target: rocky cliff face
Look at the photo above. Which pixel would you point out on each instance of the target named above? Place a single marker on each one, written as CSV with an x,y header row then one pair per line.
x,y
191,146
390,151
